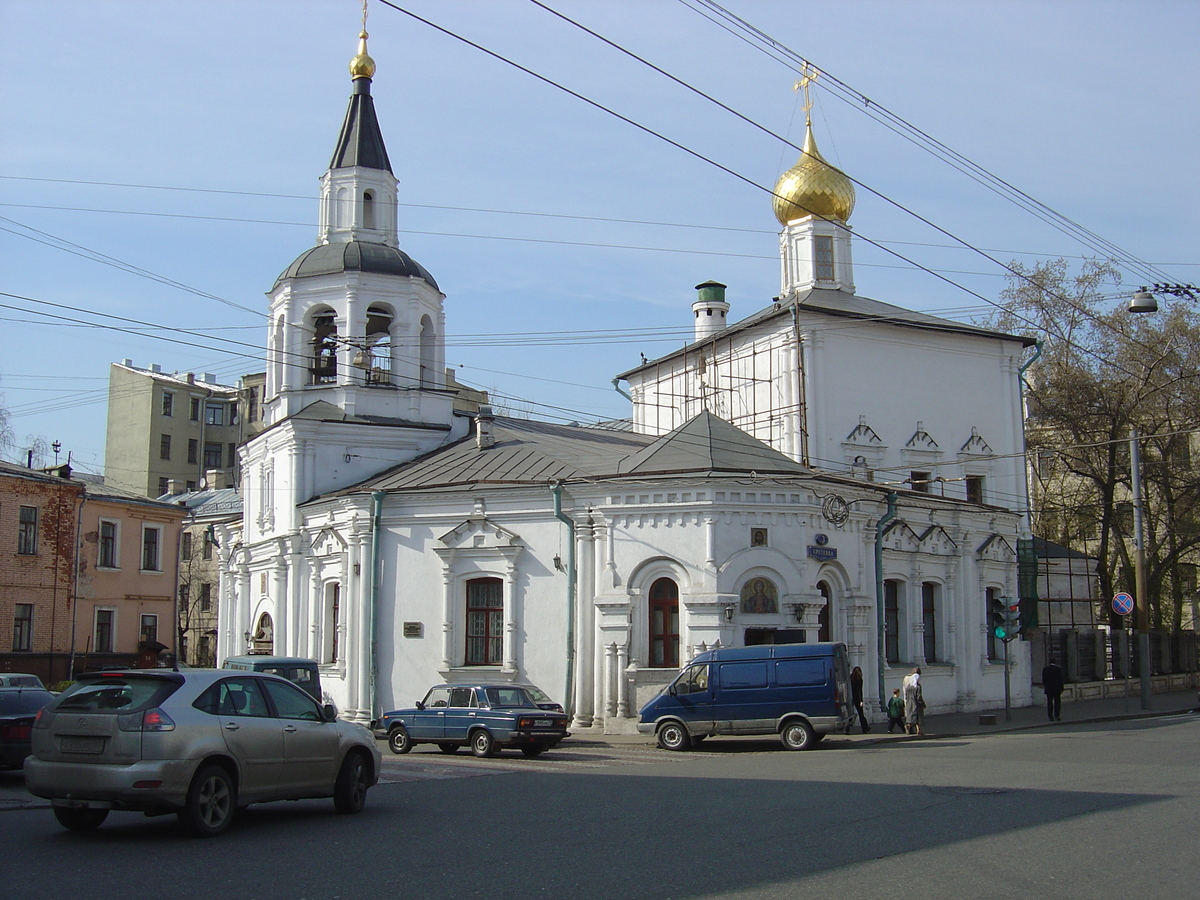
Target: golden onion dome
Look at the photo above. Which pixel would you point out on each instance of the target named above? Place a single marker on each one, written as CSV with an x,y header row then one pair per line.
x,y
362,66
812,187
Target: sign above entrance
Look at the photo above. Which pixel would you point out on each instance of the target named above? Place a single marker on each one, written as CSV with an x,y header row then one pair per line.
x,y
822,553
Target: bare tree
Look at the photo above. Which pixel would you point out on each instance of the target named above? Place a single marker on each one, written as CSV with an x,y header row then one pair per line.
x,y
1101,372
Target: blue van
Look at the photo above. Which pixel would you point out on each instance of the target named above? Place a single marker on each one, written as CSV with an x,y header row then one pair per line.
x,y
799,691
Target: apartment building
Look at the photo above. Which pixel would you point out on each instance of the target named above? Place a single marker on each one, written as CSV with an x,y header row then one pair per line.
x,y
165,428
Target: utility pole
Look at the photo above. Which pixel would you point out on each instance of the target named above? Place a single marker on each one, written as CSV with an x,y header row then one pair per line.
x,y
1139,568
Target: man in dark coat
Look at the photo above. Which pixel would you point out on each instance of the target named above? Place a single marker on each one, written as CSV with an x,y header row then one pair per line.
x,y
1052,684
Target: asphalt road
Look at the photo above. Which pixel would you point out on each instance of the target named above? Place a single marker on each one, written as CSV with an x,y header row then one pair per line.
x,y
1088,811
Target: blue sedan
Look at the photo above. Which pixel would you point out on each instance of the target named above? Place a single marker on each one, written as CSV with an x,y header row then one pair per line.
x,y
485,717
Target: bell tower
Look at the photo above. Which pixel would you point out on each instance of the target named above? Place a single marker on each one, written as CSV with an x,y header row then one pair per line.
x,y
813,202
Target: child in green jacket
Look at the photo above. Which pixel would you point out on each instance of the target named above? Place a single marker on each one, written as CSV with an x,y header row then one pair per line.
x,y
895,711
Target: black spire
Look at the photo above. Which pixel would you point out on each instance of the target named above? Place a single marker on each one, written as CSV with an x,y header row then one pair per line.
x,y
361,142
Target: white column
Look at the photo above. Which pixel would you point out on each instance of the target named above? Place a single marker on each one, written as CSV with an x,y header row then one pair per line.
x,y
622,681
447,619
585,629
279,589
510,620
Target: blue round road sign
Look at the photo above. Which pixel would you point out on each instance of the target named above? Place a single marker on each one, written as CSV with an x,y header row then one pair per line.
x,y
1122,604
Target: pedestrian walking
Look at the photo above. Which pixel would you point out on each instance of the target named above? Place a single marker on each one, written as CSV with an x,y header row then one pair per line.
x,y
856,694
895,711
1052,684
914,703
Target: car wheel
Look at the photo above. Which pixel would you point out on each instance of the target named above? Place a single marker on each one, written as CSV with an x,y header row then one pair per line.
x,y
76,819
350,789
674,736
798,736
211,802
398,740
448,748
533,750
482,744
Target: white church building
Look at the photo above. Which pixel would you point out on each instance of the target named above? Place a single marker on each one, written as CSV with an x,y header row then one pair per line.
x,y
830,468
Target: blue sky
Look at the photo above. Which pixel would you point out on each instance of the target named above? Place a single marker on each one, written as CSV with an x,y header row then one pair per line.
x,y
1088,107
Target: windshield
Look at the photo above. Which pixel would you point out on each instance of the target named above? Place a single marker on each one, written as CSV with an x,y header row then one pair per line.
x,y
508,696
116,693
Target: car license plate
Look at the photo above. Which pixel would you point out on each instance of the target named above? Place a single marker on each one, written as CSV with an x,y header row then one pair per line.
x,y
69,743
543,723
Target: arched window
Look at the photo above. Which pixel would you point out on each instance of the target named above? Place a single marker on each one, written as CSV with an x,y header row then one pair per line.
x,y
278,353
379,346
342,212
485,622
368,210
323,369
823,632
428,356
664,624
262,642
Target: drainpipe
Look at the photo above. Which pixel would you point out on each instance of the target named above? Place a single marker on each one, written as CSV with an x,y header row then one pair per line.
x,y
75,583
1037,352
617,388
373,598
569,696
880,625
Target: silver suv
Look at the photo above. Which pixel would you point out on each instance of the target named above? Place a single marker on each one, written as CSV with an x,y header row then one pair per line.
x,y
199,743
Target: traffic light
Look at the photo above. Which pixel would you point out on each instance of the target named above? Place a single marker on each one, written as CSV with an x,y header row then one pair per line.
x,y
1005,618
1012,620
996,617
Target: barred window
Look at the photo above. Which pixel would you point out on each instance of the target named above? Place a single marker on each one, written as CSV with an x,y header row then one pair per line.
x,y
485,622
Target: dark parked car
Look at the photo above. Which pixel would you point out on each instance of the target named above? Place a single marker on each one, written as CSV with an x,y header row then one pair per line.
x,y
200,743
18,707
485,717
541,698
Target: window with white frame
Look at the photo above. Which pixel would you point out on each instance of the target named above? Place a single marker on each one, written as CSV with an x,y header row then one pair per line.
x,y
929,617
106,550
823,256
485,622
151,548
663,611
102,631
891,620
332,622
974,485
149,629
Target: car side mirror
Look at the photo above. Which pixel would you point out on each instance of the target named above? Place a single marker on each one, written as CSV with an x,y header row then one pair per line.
x,y
330,712
420,705
671,690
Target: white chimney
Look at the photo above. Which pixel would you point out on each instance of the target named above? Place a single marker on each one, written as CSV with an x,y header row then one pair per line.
x,y
485,437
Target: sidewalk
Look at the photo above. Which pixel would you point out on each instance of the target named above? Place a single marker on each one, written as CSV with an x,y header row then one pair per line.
x,y
965,724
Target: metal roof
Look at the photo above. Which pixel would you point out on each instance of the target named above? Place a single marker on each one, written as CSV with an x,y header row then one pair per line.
x,y
843,305
537,453
361,142
358,256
